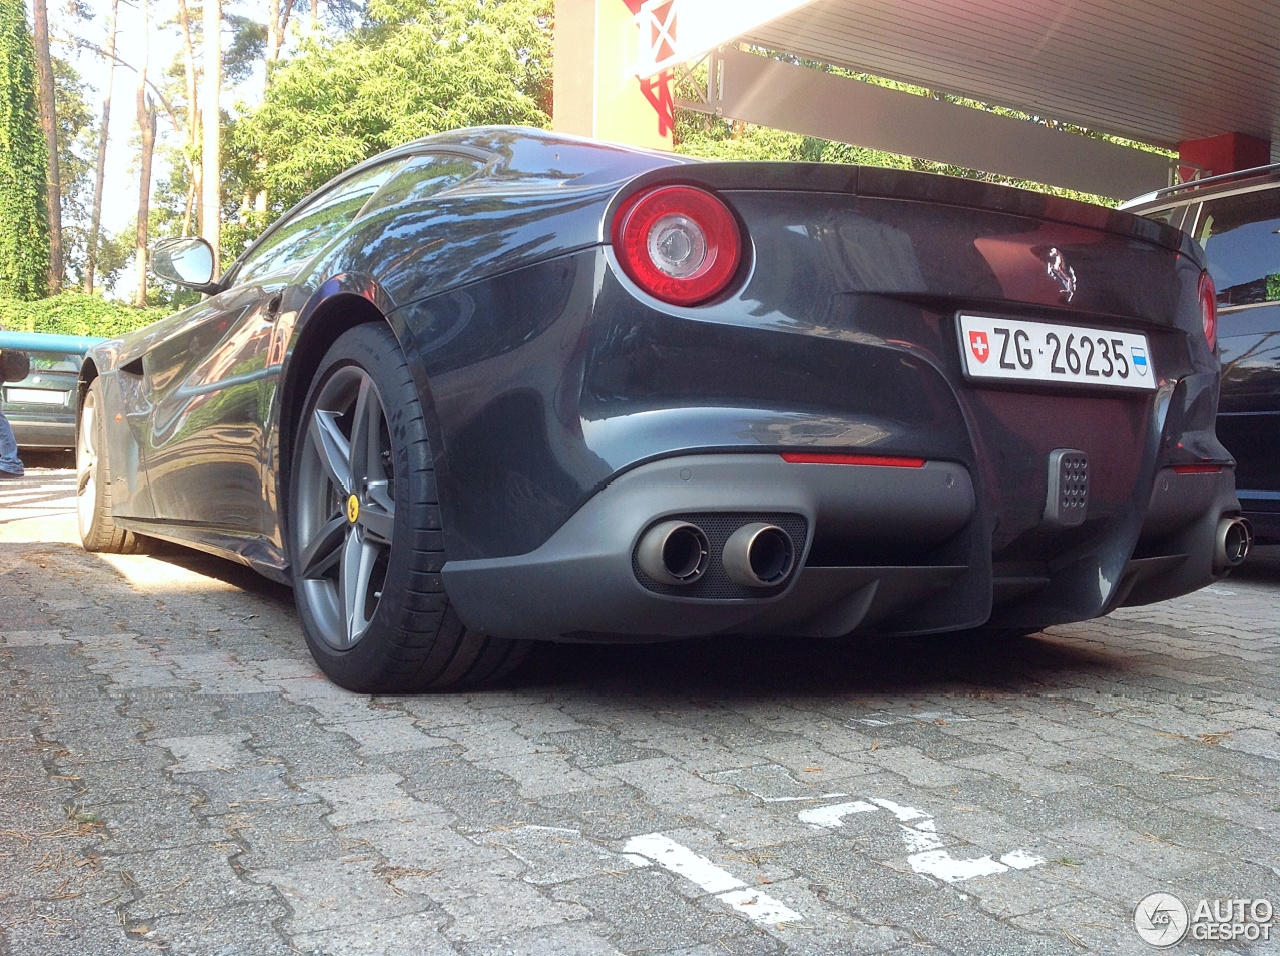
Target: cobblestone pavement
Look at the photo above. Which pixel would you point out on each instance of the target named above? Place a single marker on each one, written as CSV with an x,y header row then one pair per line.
x,y
178,778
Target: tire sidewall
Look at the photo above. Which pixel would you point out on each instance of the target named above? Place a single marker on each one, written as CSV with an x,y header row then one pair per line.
x,y
374,350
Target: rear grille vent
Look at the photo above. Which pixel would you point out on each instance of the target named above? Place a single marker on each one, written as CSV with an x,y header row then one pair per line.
x,y
1068,498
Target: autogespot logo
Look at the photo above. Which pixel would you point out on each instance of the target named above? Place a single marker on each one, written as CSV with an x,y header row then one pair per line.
x,y
1161,919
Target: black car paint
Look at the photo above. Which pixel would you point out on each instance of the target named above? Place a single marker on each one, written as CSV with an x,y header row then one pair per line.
x,y
547,375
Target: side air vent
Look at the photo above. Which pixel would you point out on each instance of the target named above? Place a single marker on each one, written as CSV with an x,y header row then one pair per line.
x,y
1068,498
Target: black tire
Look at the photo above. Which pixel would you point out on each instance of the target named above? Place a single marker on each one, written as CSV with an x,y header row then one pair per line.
x,y
98,530
366,544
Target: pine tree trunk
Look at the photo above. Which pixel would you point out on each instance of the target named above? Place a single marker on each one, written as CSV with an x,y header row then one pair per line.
x,y
147,129
95,222
192,149
49,126
211,178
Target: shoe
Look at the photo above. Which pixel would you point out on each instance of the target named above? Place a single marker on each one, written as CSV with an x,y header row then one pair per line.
x,y
10,474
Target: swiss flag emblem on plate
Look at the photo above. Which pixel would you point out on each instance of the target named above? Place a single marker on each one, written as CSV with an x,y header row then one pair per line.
x,y
978,345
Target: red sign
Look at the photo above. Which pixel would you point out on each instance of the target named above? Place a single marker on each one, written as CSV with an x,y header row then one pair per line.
x,y
978,345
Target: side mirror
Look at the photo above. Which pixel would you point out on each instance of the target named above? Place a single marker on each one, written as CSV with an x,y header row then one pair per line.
x,y
187,260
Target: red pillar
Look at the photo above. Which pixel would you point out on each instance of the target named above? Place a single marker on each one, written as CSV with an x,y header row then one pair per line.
x,y
1227,153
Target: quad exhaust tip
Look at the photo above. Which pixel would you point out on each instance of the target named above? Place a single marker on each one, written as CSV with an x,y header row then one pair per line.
x,y
674,552
759,555
1232,544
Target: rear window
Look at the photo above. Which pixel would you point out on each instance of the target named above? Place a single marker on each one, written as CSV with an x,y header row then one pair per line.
x,y
1241,236
55,361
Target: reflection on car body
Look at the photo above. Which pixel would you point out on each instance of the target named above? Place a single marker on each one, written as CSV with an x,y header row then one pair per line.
x,y
502,384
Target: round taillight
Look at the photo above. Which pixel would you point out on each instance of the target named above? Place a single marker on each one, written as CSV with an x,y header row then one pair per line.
x,y
678,243
1209,310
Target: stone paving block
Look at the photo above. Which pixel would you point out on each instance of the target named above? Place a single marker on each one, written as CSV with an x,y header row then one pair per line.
x,y
342,893
238,930
416,933
556,854
570,940
1142,849
610,812
921,771
278,835
195,877
433,849
1022,775
313,754
1097,925
541,774
824,930
360,799
960,926
811,766
592,747
138,826
246,788
391,735
661,913
49,930
479,902
664,782
205,752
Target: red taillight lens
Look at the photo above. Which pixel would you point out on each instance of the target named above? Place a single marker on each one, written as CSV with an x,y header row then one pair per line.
x,y
678,243
1209,310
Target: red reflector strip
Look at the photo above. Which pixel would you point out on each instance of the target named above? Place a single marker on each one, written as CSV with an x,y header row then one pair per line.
x,y
883,461
1196,469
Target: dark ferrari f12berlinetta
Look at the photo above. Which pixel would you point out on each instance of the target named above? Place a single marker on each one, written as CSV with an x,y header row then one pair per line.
x,y
501,384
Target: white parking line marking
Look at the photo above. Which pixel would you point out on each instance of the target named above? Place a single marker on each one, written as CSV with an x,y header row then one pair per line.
x,y
830,817
925,852
700,871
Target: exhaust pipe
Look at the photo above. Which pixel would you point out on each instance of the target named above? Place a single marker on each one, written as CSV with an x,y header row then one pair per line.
x,y
1232,544
759,555
674,552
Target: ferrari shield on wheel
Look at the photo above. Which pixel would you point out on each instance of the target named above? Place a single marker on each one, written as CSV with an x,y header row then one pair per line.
x,y
367,544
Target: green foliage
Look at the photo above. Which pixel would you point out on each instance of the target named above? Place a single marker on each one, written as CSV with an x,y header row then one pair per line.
x,y
77,156
414,67
24,226
74,313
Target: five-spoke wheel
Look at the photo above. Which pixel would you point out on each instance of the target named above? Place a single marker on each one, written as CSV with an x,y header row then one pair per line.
x,y
366,542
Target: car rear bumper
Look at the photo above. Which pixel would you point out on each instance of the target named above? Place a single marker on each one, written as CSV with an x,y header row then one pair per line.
x,y
585,582
35,433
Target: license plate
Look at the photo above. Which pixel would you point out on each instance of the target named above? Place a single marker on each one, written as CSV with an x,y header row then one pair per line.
x,y
35,396
1008,350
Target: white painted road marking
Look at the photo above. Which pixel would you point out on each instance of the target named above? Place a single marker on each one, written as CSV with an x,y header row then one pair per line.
x,y
830,817
925,853
700,871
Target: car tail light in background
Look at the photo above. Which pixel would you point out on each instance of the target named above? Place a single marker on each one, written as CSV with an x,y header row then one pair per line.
x,y
1209,309
678,243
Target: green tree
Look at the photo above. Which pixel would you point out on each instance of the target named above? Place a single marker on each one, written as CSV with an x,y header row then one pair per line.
x,y
24,224
414,67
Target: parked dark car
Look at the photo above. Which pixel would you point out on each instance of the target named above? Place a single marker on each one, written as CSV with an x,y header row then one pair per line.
x,y
1236,218
42,407
502,384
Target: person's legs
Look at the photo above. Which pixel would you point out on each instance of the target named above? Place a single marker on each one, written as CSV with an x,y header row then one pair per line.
x,y
10,463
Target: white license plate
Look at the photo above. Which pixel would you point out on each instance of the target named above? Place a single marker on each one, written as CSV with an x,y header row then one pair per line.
x,y
1008,350
35,396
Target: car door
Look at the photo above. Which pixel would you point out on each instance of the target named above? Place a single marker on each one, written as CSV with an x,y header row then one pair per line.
x,y
209,377
1241,237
